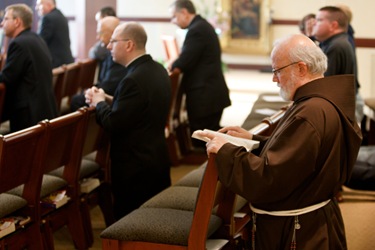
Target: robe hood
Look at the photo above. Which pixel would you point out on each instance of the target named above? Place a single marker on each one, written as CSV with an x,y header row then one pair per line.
x,y
339,90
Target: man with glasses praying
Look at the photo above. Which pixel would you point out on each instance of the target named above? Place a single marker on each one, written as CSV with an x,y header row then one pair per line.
x,y
135,119
110,72
291,180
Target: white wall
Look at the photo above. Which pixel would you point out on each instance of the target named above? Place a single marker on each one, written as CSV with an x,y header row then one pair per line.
x,y
67,7
279,10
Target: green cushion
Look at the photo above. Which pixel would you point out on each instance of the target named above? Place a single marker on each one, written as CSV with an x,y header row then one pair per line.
x,y
88,167
50,184
175,197
10,203
194,178
157,225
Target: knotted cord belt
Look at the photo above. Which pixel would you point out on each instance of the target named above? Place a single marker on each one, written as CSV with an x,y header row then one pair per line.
x,y
294,213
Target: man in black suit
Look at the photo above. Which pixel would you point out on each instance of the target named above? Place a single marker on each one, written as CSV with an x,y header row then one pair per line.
x,y
54,29
200,61
110,73
27,73
135,118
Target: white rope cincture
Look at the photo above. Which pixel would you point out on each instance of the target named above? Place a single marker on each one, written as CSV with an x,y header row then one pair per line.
x,y
294,213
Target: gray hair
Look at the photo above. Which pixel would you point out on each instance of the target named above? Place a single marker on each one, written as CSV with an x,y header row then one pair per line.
x,y
300,48
314,58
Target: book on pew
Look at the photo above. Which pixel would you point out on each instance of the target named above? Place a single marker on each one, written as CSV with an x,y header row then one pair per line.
x,y
20,220
56,199
89,184
247,143
7,226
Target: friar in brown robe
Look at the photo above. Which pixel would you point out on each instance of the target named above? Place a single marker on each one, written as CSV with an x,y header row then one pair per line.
x,y
291,181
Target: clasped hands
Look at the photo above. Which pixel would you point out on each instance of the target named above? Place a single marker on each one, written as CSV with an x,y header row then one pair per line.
x,y
94,95
216,142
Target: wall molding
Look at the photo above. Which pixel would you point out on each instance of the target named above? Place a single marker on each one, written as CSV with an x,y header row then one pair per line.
x,y
360,42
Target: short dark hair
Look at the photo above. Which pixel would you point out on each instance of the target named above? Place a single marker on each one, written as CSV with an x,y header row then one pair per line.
x,y
184,4
107,11
301,24
336,14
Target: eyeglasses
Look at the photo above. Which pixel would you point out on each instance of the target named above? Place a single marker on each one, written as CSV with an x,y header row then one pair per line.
x,y
8,18
276,71
118,40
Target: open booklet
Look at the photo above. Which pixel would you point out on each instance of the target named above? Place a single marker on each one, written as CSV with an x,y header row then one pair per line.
x,y
247,143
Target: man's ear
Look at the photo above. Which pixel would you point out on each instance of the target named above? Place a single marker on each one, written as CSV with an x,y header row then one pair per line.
x,y
129,45
18,22
302,68
334,25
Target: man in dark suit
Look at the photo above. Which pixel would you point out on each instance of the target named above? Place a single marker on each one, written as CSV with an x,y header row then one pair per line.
x,y
27,73
54,29
110,73
135,118
200,61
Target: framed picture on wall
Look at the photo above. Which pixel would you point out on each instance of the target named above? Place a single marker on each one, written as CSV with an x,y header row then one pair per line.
x,y
248,22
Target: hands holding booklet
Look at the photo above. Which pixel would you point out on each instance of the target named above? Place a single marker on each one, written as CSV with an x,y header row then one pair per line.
x,y
221,138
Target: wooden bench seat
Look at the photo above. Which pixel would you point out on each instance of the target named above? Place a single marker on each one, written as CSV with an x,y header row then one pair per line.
x,y
162,227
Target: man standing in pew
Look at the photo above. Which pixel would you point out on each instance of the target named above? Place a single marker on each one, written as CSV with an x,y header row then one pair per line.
x,y
54,29
291,181
135,118
27,73
203,82
110,73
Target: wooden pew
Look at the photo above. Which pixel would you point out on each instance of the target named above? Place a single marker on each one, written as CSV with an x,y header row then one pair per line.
x,y
95,165
172,122
88,73
21,157
64,148
70,86
164,228
2,99
58,78
184,151
94,172
151,226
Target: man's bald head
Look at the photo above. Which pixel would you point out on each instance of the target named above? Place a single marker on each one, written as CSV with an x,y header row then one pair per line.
x,y
109,23
106,26
44,7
